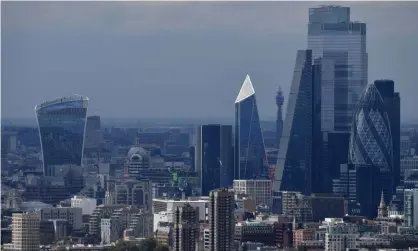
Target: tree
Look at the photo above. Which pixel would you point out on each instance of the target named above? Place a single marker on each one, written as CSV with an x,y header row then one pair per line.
x,y
162,247
149,244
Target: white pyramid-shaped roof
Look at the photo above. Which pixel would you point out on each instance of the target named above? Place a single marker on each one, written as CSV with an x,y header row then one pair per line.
x,y
246,91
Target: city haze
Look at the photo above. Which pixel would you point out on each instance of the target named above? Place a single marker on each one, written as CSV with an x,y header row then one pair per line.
x,y
169,60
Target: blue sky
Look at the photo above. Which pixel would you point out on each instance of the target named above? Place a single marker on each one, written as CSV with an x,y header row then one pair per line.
x,y
181,59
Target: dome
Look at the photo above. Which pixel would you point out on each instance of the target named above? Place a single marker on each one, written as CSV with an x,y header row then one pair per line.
x,y
137,154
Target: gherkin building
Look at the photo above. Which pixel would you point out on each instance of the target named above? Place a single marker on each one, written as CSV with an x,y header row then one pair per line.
x,y
371,139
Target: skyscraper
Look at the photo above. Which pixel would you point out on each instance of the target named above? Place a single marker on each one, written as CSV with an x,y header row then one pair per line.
x,y
293,172
339,46
279,121
391,101
371,140
250,155
221,220
214,157
93,132
61,124
186,228
25,232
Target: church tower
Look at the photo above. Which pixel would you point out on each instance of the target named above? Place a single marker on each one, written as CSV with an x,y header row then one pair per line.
x,y
382,210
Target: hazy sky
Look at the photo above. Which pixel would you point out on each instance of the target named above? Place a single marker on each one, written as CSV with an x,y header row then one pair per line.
x,y
165,59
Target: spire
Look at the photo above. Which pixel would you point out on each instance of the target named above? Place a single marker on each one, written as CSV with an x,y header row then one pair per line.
x,y
382,201
279,91
246,91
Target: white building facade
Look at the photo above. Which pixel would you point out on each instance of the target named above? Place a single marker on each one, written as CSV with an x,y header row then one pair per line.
x,y
87,205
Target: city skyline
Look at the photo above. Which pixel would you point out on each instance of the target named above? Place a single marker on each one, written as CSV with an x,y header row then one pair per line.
x,y
123,73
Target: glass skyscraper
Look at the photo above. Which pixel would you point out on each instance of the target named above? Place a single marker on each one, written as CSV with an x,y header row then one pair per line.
x,y
339,46
371,139
61,124
214,157
250,155
294,165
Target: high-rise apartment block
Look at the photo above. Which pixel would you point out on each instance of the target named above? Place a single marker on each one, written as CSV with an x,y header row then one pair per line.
x,y
214,159
25,232
221,220
186,228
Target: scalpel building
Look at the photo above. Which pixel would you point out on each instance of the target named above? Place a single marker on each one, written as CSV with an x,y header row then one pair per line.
x,y
250,154
61,124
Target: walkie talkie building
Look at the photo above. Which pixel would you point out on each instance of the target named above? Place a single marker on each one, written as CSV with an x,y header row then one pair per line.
x,y
61,124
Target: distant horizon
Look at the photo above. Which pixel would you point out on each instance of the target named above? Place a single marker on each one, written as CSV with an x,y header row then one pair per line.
x,y
146,120
181,59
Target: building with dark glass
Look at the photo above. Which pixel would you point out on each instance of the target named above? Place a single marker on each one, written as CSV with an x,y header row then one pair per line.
x,y
214,157
61,124
371,139
294,164
338,44
391,100
250,154
93,132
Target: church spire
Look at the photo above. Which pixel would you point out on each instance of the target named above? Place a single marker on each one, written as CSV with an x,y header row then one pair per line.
x,y
382,201
382,211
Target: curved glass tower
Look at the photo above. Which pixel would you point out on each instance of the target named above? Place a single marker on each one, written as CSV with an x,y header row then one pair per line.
x,y
371,139
250,154
61,124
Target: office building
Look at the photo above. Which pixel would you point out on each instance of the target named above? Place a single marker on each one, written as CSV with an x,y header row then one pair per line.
x,y
186,228
214,157
411,208
339,46
87,205
94,135
72,215
340,235
341,43
259,190
250,155
61,124
294,164
25,232
371,141
137,162
355,180
265,232
279,116
391,102
135,193
221,220
409,163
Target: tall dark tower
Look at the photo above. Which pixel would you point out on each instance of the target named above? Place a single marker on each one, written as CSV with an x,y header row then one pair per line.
x,y
279,121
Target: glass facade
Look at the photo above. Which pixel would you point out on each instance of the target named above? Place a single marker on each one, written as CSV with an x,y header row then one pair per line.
x,y
341,45
293,172
371,140
250,155
61,126
215,157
